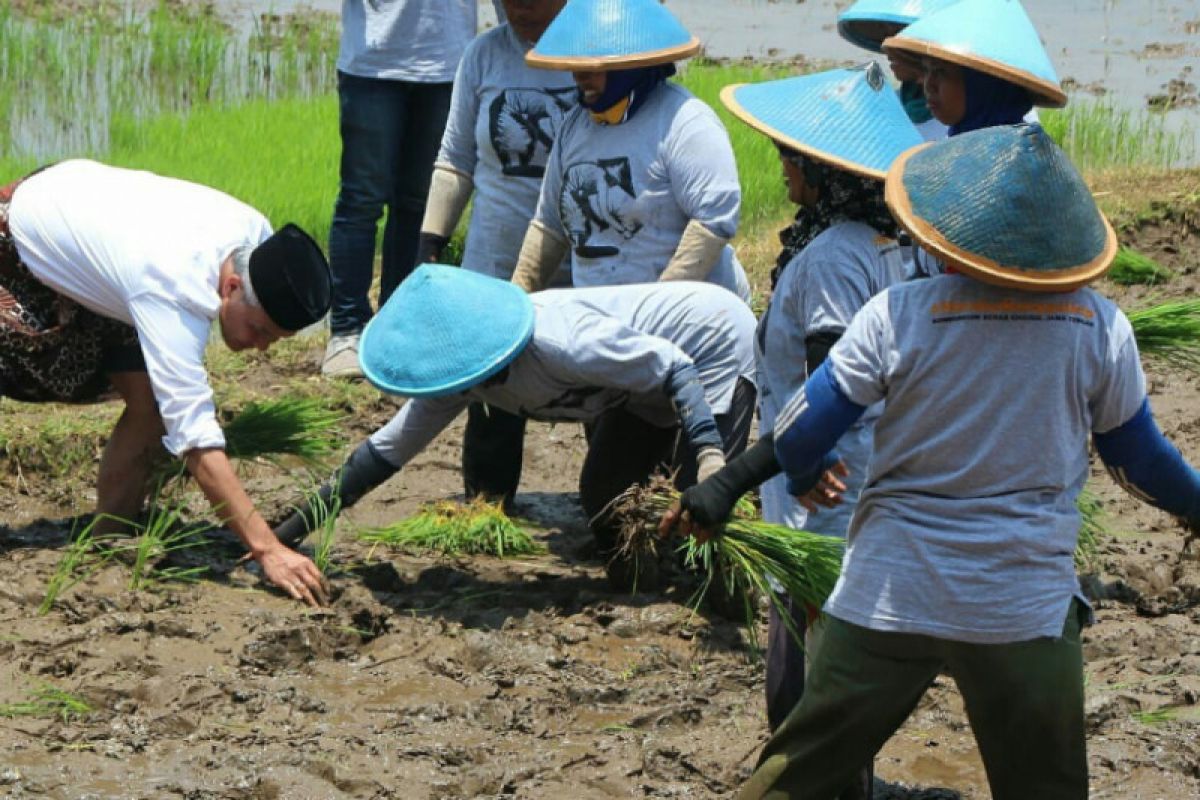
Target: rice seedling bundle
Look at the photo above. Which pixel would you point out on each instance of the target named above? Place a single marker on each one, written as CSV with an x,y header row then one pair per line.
x,y
474,528
298,427
48,701
1131,268
1169,332
1091,527
749,557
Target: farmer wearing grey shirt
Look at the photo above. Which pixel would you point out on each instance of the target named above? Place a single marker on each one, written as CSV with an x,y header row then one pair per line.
x,y
641,364
395,68
960,551
504,116
641,184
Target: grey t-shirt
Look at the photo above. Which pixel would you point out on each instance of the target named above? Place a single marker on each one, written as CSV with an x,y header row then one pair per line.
x,y
504,116
819,291
597,349
967,527
622,194
405,40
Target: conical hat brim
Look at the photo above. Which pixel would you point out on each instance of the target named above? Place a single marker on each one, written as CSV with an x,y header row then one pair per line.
x,y
609,63
979,267
739,111
1045,93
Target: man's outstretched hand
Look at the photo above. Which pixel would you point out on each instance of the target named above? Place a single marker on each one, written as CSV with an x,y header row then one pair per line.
x,y
295,574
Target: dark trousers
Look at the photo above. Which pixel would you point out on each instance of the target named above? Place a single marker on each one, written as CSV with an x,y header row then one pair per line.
x,y
391,131
624,450
785,682
1024,701
492,454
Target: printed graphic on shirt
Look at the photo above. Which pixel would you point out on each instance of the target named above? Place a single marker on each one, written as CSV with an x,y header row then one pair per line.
x,y
1011,310
598,196
523,124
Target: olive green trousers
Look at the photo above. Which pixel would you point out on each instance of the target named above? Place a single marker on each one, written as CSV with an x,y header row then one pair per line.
x,y
1024,701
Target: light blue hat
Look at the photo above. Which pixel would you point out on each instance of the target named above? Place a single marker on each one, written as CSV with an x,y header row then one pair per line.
x,y
855,23
612,34
443,331
992,36
850,118
1004,205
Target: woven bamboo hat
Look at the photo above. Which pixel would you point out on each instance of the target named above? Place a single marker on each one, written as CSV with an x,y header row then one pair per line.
x,y
858,23
992,36
443,331
601,35
850,118
1004,205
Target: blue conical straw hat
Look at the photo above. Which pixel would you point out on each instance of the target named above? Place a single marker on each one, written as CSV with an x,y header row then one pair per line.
x,y
992,36
850,118
443,331
858,23
1004,205
612,34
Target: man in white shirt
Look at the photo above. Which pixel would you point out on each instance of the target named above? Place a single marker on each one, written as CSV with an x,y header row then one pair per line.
x,y
110,279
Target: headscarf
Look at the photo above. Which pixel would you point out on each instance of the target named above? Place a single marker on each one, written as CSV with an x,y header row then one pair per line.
x,y
844,197
991,101
912,95
625,90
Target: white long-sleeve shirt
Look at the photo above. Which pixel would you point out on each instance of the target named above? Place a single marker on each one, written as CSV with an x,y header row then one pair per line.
x,y
146,250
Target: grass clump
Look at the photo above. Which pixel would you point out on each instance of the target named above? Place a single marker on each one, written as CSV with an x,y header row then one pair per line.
x,y
1170,333
48,702
474,528
1101,135
748,558
1131,268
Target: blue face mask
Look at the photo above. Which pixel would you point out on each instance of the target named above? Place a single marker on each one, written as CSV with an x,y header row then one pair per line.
x,y
631,85
991,101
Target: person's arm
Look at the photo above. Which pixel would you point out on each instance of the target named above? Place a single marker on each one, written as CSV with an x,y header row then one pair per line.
x,y
378,458
451,184
704,182
1145,463
173,342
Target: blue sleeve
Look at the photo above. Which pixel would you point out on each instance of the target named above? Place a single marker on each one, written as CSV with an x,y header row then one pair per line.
x,y
1149,467
695,415
809,426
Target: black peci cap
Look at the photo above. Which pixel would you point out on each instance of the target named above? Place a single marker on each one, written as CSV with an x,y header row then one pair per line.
x,y
291,278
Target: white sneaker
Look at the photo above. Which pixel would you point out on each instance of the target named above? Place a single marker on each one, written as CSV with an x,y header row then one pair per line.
x,y
341,357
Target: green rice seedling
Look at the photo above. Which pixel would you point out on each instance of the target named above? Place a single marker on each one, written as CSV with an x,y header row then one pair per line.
x,y
474,528
1092,526
1131,268
1099,135
85,554
1158,716
749,557
323,515
1170,333
296,427
48,702
162,534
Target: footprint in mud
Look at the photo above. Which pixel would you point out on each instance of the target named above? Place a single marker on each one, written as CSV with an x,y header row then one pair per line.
x,y
293,647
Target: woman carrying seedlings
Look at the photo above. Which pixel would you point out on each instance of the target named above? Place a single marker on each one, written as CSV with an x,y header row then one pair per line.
x,y
837,133
868,22
503,119
960,551
641,184
110,279
647,366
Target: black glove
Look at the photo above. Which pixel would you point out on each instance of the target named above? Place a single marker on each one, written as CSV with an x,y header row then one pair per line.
x,y
429,248
363,471
711,503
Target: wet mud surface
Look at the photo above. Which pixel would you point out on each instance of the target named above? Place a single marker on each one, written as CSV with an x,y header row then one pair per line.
x,y
481,678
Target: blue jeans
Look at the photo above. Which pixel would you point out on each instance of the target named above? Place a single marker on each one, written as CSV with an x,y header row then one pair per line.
x,y
391,131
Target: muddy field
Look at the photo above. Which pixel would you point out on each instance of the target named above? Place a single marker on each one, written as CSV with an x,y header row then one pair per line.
x,y
481,678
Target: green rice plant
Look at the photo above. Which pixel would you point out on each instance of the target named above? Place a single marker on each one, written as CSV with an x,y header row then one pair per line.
x,y
323,515
747,558
85,554
293,427
474,528
1131,268
48,702
1092,526
162,534
1158,716
1100,135
1170,333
